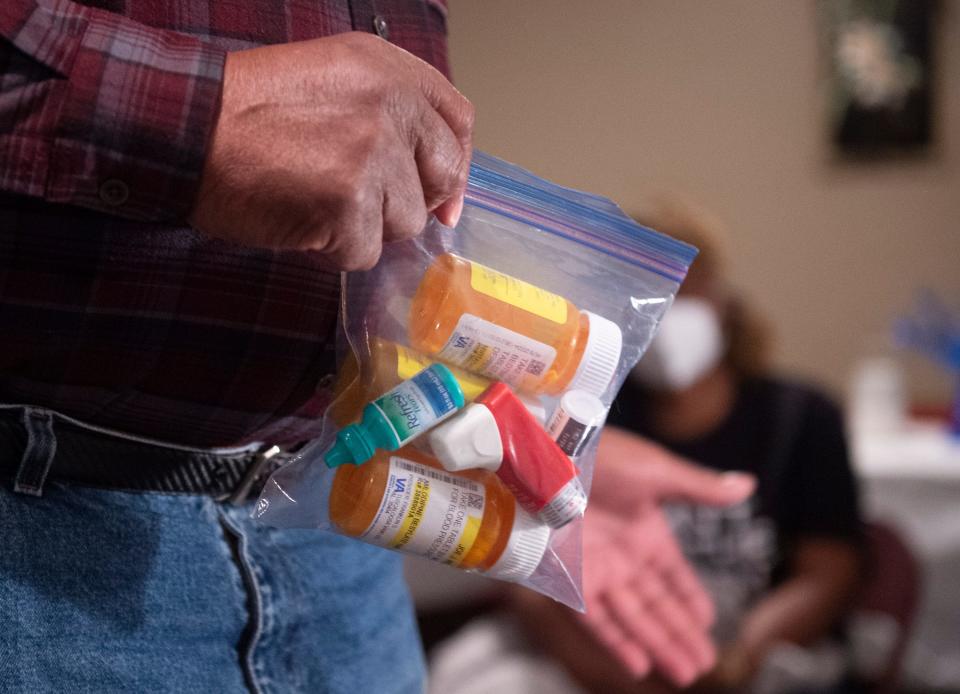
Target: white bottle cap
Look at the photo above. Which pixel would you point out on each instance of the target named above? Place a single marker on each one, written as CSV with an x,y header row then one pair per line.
x,y
601,356
470,439
524,551
579,405
575,421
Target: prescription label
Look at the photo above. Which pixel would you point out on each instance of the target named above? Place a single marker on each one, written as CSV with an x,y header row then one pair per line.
x,y
482,347
410,363
518,293
427,512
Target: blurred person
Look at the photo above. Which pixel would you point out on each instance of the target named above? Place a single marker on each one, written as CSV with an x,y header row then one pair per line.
x,y
780,563
783,565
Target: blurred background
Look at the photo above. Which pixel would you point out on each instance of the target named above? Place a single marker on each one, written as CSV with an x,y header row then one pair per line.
x,y
725,103
836,220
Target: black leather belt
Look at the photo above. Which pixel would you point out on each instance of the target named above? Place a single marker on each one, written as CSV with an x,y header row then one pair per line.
x,y
81,455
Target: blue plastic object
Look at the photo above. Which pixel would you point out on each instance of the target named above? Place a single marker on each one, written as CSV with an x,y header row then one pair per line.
x,y
933,330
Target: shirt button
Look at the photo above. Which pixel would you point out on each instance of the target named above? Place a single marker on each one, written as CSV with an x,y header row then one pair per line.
x,y
381,27
114,192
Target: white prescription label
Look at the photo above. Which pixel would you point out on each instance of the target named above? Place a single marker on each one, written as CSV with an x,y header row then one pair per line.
x,y
427,512
489,349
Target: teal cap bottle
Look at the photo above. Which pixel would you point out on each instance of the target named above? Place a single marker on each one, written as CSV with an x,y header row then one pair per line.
x,y
399,416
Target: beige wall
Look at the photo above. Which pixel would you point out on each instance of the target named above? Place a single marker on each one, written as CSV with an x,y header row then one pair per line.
x,y
719,100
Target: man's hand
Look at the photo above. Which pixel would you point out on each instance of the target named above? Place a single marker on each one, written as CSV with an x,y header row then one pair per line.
x,y
643,600
335,145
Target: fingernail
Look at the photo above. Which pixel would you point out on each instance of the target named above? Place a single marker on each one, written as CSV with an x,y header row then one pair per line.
x,y
738,480
456,212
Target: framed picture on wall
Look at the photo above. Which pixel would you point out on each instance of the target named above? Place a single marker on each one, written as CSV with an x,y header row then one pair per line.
x,y
880,76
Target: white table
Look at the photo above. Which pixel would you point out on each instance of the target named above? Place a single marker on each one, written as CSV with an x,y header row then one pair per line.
x,y
911,479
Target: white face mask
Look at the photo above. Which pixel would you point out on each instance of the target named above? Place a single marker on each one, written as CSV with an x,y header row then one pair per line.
x,y
688,344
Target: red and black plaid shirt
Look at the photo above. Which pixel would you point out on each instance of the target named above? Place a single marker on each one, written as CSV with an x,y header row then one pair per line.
x,y
112,310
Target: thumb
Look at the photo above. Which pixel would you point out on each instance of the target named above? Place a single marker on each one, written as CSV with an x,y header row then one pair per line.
x,y
450,210
631,471
682,481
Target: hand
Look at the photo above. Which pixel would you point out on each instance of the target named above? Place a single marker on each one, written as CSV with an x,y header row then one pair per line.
x,y
335,145
643,600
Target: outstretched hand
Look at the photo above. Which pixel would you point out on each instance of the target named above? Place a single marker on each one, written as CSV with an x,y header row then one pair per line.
x,y
644,602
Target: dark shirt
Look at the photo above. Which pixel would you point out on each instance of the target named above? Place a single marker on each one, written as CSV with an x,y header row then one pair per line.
x,y
810,489
112,310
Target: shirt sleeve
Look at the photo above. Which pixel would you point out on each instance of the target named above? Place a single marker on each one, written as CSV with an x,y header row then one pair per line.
x,y
821,496
100,111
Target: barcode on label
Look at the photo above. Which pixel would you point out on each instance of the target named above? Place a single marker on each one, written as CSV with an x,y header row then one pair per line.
x,y
469,485
535,368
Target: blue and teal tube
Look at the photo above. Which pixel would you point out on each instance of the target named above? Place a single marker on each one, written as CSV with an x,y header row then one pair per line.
x,y
399,416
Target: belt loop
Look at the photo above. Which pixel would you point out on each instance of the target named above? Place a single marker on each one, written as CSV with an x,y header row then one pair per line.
x,y
240,494
38,454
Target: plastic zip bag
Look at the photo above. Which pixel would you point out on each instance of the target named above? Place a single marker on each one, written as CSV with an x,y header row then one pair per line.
x,y
536,306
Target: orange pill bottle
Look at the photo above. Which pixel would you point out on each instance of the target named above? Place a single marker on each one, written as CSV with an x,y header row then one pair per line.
x,y
483,321
405,501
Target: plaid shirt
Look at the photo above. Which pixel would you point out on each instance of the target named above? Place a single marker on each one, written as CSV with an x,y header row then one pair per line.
x,y
111,309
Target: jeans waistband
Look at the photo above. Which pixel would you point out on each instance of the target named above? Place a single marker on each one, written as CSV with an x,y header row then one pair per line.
x,y
37,444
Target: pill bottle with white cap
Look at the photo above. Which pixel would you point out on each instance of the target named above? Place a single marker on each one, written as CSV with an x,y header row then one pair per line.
x,y
405,501
481,320
578,416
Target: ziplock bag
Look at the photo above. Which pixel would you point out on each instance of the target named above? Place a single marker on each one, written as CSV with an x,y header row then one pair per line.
x,y
478,365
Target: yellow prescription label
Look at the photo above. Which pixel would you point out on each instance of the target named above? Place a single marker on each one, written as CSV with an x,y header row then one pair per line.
x,y
427,512
518,293
470,531
410,363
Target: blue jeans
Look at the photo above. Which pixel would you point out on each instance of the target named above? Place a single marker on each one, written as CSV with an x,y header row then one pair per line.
x,y
106,591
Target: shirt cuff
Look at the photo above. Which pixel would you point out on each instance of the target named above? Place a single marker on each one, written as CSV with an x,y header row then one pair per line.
x,y
137,116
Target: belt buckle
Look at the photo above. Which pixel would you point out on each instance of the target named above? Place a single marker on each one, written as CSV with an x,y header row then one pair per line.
x,y
260,462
